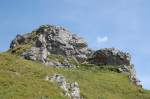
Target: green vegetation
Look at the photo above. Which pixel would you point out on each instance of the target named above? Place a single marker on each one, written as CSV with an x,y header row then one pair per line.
x,y
18,50
98,68
33,36
61,59
23,79
54,57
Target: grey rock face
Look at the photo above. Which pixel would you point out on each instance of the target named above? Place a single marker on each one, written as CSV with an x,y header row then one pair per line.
x,y
60,41
43,54
55,40
31,54
35,53
70,89
110,56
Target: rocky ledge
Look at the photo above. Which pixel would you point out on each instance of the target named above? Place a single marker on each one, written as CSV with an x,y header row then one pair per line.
x,y
50,40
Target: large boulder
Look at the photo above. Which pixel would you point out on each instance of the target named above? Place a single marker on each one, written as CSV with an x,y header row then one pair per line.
x,y
110,56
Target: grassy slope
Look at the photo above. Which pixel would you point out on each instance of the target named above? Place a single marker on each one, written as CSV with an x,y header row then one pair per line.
x,y
23,79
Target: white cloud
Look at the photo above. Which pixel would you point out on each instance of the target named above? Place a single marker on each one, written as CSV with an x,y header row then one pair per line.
x,y
101,39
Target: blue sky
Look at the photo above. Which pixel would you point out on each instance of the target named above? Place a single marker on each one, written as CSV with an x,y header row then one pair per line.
x,y
123,24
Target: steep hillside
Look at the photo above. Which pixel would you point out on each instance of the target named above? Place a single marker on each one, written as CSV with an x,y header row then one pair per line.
x,y
24,79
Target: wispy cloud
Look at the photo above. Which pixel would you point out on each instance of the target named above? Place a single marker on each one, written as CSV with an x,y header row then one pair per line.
x,y
101,39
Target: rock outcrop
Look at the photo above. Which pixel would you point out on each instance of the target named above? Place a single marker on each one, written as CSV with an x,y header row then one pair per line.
x,y
54,40
110,56
50,39
117,58
70,89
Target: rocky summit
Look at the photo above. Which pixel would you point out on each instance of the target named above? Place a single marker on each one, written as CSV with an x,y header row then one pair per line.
x,y
50,40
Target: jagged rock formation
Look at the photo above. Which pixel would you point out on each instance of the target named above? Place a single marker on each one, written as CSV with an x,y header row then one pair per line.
x,y
70,89
115,57
52,39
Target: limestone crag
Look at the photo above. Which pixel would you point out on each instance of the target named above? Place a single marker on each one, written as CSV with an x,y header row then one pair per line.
x,y
70,89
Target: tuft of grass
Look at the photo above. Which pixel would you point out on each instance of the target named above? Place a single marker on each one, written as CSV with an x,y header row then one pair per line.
x,y
24,79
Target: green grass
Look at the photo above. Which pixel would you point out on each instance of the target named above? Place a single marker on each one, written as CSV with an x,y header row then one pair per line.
x,y
23,79
61,59
58,58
